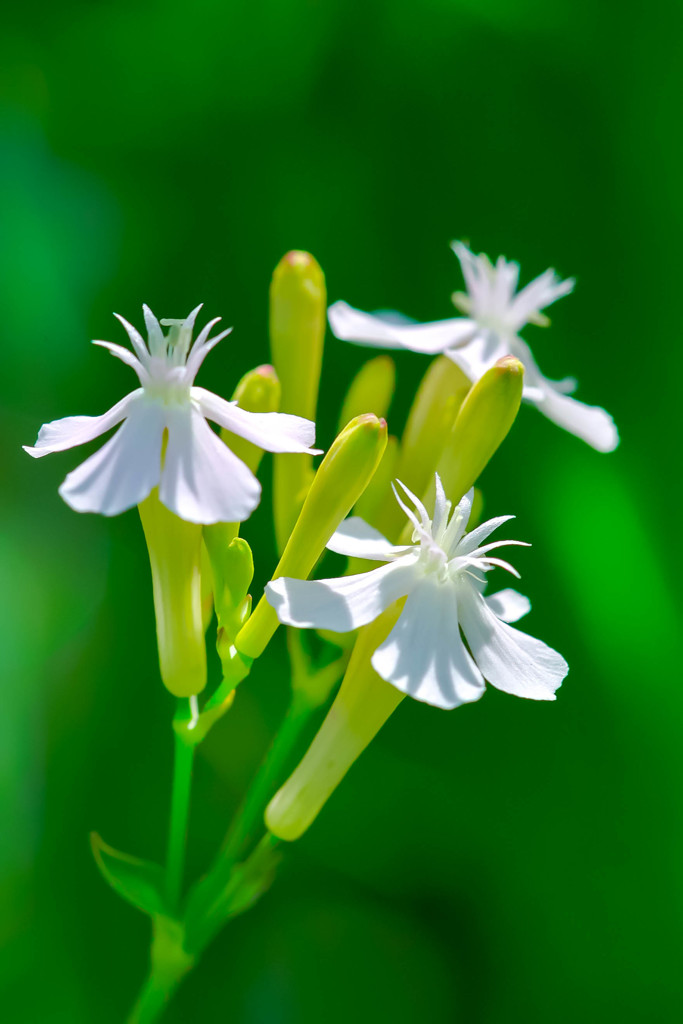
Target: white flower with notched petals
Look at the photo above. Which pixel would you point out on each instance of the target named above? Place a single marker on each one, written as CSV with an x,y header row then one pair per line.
x,y
442,574
165,439
495,313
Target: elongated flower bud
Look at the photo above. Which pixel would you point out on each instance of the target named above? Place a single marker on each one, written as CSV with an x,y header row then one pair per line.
x,y
371,502
430,420
297,331
258,391
361,708
342,477
174,547
371,389
482,424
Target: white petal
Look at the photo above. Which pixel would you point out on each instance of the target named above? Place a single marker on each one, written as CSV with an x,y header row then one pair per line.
x,y
127,357
340,604
473,539
539,293
136,340
509,605
157,341
452,538
124,471
592,424
274,431
351,324
71,431
510,660
424,655
201,349
358,539
202,480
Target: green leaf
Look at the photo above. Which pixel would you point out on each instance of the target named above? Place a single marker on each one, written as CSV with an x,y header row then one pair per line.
x,y
138,881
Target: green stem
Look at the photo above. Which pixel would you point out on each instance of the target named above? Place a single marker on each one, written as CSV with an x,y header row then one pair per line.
x,y
250,815
180,809
152,1000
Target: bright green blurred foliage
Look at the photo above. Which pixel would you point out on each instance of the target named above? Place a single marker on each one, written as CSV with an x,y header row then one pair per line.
x,y
509,861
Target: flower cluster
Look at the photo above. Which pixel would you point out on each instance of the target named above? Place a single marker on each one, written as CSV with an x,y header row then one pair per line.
x,y
411,616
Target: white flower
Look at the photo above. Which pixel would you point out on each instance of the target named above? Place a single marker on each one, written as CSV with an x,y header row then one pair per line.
x,y
495,313
199,478
443,575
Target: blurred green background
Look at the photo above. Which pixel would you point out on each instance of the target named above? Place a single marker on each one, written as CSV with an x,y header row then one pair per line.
x,y
507,862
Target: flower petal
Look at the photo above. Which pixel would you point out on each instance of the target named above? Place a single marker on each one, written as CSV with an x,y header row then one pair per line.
x,y
201,349
340,604
136,339
273,431
510,660
71,431
157,341
358,539
424,655
124,471
473,539
351,324
202,480
127,357
592,424
509,605
539,293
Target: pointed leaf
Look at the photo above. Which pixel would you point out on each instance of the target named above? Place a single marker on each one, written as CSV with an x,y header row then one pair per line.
x,y
138,881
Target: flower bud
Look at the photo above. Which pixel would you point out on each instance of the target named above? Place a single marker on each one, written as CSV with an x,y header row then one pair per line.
x,y
174,547
298,303
481,426
233,570
258,391
371,502
342,477
362,706
431,417
371,390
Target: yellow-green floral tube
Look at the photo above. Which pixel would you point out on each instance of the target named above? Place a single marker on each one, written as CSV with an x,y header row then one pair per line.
x,y
174,547
362,706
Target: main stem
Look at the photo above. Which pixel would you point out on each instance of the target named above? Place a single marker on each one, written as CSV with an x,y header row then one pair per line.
x,y
261,790
183,759
152,1000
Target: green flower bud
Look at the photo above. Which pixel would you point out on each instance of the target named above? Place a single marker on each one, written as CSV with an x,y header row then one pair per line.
x,y
431,417
481,426
174,547
233,570
342,477
258,391
362,706
371,502
298,313
371,390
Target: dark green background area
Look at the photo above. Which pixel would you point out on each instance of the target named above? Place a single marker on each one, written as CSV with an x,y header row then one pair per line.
x,y
506,862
